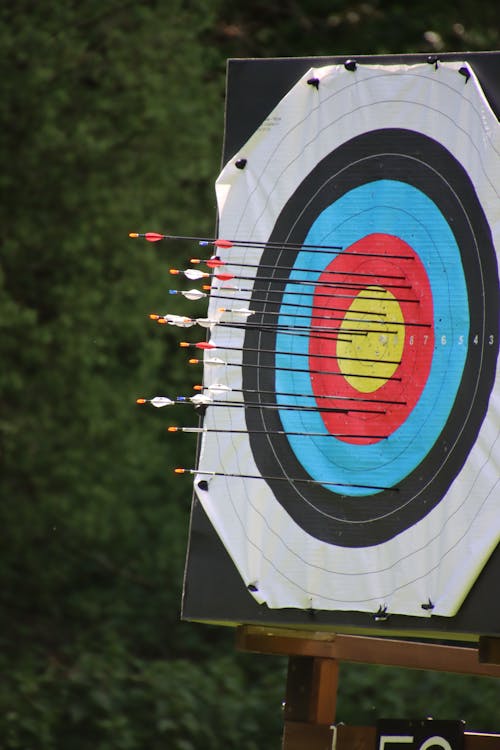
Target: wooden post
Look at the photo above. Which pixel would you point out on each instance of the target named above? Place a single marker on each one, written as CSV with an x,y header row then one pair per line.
x,y
489,650
311,696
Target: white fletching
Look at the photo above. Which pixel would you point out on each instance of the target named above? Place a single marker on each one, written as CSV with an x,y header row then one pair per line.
x,y
206,322
194,275
218,388
200,398
228,289
179,320
160,401
244,311
194,294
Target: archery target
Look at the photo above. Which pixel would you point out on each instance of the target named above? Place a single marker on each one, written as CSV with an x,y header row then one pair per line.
x,y
368,375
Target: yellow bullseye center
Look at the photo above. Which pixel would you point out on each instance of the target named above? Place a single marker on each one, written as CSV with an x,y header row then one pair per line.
x,y
376,344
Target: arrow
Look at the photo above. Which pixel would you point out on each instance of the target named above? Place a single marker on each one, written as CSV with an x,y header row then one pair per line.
x,y
207,401
194,274
295,306
202,400
231,289
209,345
226,244
286,479
328,334
195,294
217,361
333,334
403,323
216,262
222,388
205,430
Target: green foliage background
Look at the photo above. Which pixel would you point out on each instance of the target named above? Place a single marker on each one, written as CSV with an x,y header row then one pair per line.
x,y
112,121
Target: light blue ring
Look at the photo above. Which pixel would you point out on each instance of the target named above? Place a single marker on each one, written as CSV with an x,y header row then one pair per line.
x,y
399,209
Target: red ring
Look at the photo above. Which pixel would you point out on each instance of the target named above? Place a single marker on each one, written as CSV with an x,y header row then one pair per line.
x,y
410,376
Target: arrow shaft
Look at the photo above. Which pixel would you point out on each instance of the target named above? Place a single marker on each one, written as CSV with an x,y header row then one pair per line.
x,y
289,479
330,397
285,407
316,356
203,430
298,331
322,332
280,245
404,324
208,262
312,282
297,369
226,244
316,295
295,306
295,246
299,246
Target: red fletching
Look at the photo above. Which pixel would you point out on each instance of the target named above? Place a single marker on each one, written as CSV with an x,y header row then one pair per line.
x,y
214,262
224,276
223,243
153,236
205,345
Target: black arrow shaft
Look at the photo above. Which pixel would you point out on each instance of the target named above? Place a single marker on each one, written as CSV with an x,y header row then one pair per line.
x,y
322,332
291,480
301,246
301,294
297,369
316,356
279,432
295,306
402,323
317,283
330,397
285,407
297,246
243,264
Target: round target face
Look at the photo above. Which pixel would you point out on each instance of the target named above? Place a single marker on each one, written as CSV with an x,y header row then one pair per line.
x,y
393,320
352,462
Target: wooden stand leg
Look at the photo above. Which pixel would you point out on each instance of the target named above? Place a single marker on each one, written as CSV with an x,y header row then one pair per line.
x,y
311,697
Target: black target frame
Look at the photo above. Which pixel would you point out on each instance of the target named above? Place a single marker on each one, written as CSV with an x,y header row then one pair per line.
x,y
213,589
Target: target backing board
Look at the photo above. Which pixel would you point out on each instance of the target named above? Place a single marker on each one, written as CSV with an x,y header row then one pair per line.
x,y
349,469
